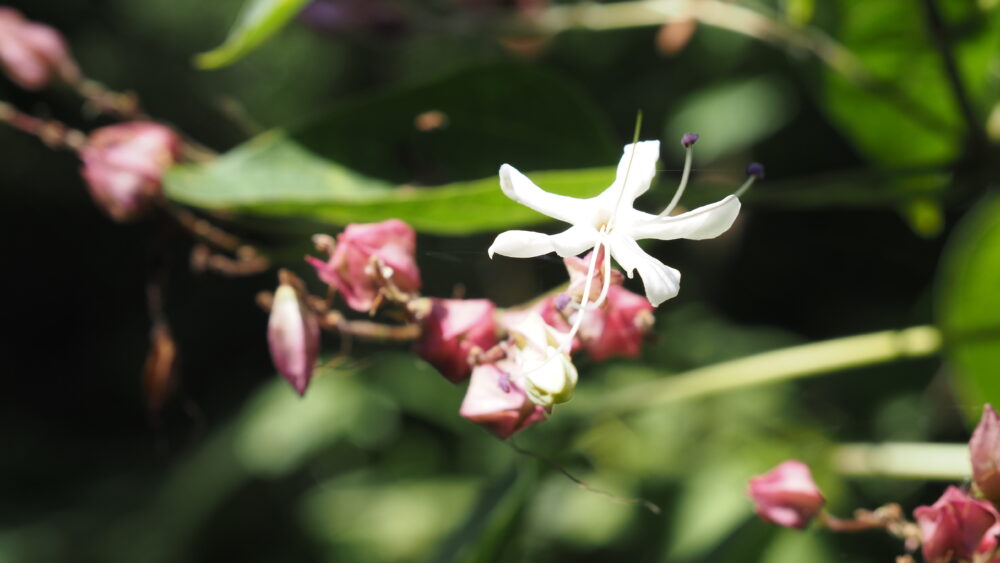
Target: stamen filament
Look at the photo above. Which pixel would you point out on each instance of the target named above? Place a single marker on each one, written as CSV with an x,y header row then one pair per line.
x,y
688,157
746,186
583,300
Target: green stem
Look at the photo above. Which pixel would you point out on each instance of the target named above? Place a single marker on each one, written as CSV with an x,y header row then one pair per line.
x,y
779,365
942,462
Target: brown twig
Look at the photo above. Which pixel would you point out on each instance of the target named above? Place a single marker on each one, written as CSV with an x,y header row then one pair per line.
x,y
53,133
245,264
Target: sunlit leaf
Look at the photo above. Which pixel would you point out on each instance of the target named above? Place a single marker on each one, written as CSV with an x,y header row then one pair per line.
x,y
257,22
347,166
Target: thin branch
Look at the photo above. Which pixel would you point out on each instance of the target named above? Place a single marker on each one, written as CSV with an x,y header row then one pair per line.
x,y
939,31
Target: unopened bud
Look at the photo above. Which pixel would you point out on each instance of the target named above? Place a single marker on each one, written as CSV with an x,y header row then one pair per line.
x,y
124,164
32,54
786,495
549,375
496,400
452,330
293,337
957,527
689,139
756,170
391,244
984,449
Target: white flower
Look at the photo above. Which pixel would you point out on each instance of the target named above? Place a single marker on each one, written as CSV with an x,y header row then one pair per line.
x,y
610,220
549,375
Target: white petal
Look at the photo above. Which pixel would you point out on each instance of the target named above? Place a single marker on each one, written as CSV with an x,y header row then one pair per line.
x,y
574,240
519,188
521,244
635,172
708,221
660,281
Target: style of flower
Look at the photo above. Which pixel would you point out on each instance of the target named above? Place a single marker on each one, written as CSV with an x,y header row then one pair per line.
x,y
786,495
957,526
609,220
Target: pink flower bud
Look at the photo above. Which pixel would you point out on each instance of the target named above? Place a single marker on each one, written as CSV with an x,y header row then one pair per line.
x,y
786,495
984,448
618,328
496,400
452,330
123,165
578,267
293,337
957,526
366,258
32,54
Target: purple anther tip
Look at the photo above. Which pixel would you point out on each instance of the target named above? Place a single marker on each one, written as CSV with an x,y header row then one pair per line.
x,y
689,139
504,382
561,301
756,170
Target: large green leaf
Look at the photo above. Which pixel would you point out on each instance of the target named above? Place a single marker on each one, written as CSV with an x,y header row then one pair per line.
x,y
905,113
969,306
347,165
257,22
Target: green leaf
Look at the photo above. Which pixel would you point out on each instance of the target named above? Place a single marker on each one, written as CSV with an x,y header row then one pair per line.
x,y
257,22
969,306
346,166
907,114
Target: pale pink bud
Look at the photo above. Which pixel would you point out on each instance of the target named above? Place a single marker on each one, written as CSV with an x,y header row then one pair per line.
x,y
452,330
618,328
957,526
124,164
496,400
293,337
984,448
32,54
786,495
578,267
366,257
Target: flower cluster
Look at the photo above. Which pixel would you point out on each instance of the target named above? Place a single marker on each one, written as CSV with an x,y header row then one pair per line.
x,y
962,525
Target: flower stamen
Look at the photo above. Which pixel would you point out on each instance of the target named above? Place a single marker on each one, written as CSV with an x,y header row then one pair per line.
x,y
688,141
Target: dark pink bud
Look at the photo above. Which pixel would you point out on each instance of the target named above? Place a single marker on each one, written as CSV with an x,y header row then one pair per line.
x,y
502,412
123,165
786,495
32,54
452,330
367,257
293,337
957,526
984,448
689,139
618,328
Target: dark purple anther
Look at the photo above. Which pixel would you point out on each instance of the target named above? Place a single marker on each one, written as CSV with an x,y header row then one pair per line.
x,y
689,139
504,382
756,170
561,301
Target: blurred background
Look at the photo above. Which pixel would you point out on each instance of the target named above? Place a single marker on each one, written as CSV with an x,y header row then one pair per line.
x,y
875,215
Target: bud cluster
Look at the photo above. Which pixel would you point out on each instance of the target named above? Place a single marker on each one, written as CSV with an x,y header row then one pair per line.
x,y
517,361
962,525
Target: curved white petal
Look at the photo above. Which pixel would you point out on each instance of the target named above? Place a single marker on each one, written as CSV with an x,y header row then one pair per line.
x,y
574,240
708,221
635,173
660,281
519,188
521,244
